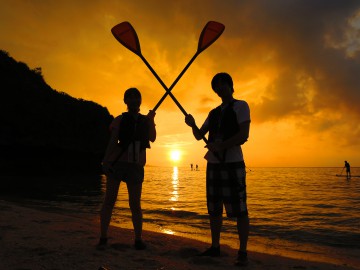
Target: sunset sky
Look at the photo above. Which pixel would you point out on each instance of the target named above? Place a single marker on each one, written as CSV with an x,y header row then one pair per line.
x,y
296,63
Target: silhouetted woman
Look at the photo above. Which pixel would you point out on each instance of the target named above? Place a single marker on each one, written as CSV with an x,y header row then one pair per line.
x,y
125,158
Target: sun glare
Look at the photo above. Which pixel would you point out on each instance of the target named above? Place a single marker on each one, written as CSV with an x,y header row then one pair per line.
x,y
175,155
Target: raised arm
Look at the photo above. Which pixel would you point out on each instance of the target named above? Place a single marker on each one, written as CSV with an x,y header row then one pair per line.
x,y
152,130
198,133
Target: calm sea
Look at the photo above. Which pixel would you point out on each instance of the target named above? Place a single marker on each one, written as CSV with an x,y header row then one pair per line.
x,y
300,212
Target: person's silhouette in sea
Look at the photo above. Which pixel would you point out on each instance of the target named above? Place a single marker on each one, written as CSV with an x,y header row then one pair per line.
x,y
191,166
228,126
124,161
348,172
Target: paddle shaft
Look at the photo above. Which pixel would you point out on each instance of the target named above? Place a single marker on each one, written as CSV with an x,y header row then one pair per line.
x,y
164,86
168,90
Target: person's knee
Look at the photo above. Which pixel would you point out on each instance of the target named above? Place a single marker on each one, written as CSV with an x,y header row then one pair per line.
x,y
243,219
135,207
109,202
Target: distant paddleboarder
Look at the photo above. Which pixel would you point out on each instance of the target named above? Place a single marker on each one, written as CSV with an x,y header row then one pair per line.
x,y
347,166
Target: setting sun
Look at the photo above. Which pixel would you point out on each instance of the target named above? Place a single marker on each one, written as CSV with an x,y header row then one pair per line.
x,y
175,155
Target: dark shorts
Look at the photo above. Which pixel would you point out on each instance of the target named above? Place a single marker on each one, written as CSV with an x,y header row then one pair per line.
x,y
130,173
226,185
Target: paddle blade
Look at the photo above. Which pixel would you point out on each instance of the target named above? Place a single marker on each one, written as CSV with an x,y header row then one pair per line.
x,y
126,35
211,32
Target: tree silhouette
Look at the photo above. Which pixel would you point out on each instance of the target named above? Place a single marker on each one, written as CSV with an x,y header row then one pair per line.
x,y
40,125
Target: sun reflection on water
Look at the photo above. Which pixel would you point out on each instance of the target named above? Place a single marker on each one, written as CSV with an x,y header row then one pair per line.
x,y
175,185
167,231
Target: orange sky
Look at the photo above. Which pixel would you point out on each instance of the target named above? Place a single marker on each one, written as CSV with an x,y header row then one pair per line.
x,y
296,63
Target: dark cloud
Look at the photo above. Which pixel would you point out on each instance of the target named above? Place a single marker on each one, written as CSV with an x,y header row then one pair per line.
x,y
312,50
295,31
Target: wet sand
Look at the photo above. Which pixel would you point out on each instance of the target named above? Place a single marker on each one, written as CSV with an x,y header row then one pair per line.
x,y
37,239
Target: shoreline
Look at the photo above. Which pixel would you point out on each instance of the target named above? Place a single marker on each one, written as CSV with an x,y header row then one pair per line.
x,y
38,239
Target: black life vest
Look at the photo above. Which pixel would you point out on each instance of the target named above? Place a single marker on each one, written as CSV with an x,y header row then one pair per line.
x,y
222,123
131,130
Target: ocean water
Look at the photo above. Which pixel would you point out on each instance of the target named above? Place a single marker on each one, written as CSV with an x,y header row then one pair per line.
x,y
298,212
303,212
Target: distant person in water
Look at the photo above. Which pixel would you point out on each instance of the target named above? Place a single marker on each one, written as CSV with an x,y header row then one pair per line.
x,y
125,158
228,126
197,167
347,166
191,166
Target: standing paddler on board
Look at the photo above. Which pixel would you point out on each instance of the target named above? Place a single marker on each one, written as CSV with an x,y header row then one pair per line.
x,y
347,166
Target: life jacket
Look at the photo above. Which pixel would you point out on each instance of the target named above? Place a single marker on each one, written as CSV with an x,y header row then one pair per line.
x,y
222,123
131,130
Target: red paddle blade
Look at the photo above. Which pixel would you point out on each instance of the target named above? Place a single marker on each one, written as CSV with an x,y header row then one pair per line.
x,y
211,32
126,35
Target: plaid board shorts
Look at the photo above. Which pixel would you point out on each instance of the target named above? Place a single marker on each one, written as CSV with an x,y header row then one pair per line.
x,y
226,185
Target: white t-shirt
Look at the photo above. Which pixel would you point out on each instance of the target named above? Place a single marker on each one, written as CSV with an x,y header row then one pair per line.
x,y
233,154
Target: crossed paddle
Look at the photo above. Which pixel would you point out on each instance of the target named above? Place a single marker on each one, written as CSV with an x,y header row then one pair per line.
x,y
126,35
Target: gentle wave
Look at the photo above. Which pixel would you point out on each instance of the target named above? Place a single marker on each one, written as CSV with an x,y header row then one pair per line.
x,y
298,206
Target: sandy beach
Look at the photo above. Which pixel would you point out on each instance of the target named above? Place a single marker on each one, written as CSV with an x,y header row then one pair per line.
x,y
37,239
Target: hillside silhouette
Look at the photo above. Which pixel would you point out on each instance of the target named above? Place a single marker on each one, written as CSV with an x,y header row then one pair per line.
x,y
46,131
